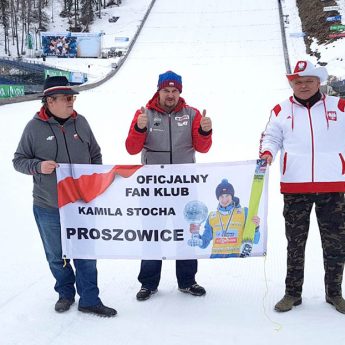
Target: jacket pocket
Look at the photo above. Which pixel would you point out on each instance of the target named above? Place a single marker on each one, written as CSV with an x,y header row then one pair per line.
x,y
284,162
342,164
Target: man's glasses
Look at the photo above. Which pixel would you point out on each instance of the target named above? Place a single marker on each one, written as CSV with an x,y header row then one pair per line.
x,y
65,98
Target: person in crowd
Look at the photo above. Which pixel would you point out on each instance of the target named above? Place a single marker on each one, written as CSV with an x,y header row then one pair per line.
x,y
225,226
168,131
58,134
308,128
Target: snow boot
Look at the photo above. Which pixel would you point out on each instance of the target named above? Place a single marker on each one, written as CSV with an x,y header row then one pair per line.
x,y
63,304
338,302
145,294
99,310
287,302
195,290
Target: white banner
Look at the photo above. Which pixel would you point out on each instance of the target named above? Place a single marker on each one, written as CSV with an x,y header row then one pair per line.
x,y
179,211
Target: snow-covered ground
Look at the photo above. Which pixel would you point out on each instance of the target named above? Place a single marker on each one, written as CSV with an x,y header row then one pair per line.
x,y
230,56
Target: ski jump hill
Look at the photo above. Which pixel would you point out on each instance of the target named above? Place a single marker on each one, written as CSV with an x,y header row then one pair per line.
x,y
230,56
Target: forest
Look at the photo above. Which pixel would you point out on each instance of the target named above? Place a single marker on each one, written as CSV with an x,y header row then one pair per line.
x,y
21,21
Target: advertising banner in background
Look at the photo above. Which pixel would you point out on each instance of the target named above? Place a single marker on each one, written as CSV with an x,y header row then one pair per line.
x,y
333,18
71,44
8,91
178,211
55,72
73,77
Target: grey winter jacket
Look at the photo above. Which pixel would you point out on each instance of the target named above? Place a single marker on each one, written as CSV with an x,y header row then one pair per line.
x,y
45,139
169,138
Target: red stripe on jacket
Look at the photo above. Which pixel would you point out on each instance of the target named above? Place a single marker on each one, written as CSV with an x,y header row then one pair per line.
x,y
341,104
312,187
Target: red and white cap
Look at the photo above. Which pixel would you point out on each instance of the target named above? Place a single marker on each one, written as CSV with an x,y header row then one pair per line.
x,y
305,68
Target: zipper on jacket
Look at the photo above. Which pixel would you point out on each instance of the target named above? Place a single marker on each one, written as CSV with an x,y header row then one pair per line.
x,y
64,136
170,138
312,144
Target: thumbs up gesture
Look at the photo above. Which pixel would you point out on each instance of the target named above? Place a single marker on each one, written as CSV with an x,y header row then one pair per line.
x,y
205,123
142,119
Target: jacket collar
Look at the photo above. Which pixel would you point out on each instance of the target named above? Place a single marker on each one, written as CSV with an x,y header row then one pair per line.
x,y
308,103
44,115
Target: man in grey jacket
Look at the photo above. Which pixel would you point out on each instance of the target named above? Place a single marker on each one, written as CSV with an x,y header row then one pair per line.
x,y
168,131
58,134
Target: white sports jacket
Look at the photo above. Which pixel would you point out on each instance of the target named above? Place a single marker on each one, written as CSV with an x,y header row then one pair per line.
x,y
312,144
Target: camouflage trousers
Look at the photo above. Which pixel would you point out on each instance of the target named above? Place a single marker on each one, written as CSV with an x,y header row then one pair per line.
x,y
330,214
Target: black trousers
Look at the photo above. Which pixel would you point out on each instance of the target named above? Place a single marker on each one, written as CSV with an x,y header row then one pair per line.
x,y
330,214
150,273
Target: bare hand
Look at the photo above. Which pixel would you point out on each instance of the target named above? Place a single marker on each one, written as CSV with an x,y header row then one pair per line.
x,y
142,119
205,123
47,167
268,158
256,220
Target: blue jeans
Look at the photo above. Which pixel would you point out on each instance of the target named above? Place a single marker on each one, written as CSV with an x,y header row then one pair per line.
x,y
150,273
85,277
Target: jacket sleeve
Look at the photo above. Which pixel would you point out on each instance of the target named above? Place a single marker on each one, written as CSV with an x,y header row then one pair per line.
x,y
272,138
95,150
202,141
136,137
24,159
207,235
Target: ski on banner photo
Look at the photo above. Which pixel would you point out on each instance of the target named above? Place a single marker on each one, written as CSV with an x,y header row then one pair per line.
x,y
254,201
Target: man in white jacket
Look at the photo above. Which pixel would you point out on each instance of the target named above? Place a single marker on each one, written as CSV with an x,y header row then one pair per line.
x,y
309,129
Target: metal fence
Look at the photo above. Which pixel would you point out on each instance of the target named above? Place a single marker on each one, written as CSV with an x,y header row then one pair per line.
x,y
22,72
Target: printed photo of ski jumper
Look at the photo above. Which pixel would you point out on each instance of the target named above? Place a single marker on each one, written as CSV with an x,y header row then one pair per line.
x,y
225,227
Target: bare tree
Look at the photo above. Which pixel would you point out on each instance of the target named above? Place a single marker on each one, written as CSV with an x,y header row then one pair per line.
x,y
23,20
14,21
87,14
4,8
39,7
76,9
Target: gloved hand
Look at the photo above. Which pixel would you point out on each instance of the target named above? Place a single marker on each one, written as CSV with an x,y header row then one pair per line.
x,y
246,249
195,242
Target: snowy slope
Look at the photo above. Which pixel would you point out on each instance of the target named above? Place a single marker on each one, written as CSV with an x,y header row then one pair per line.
x,y
229,54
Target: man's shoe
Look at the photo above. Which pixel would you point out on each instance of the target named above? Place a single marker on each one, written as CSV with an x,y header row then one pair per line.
x,y
287,302
195,290
338,302
145,294
99,310
63,304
